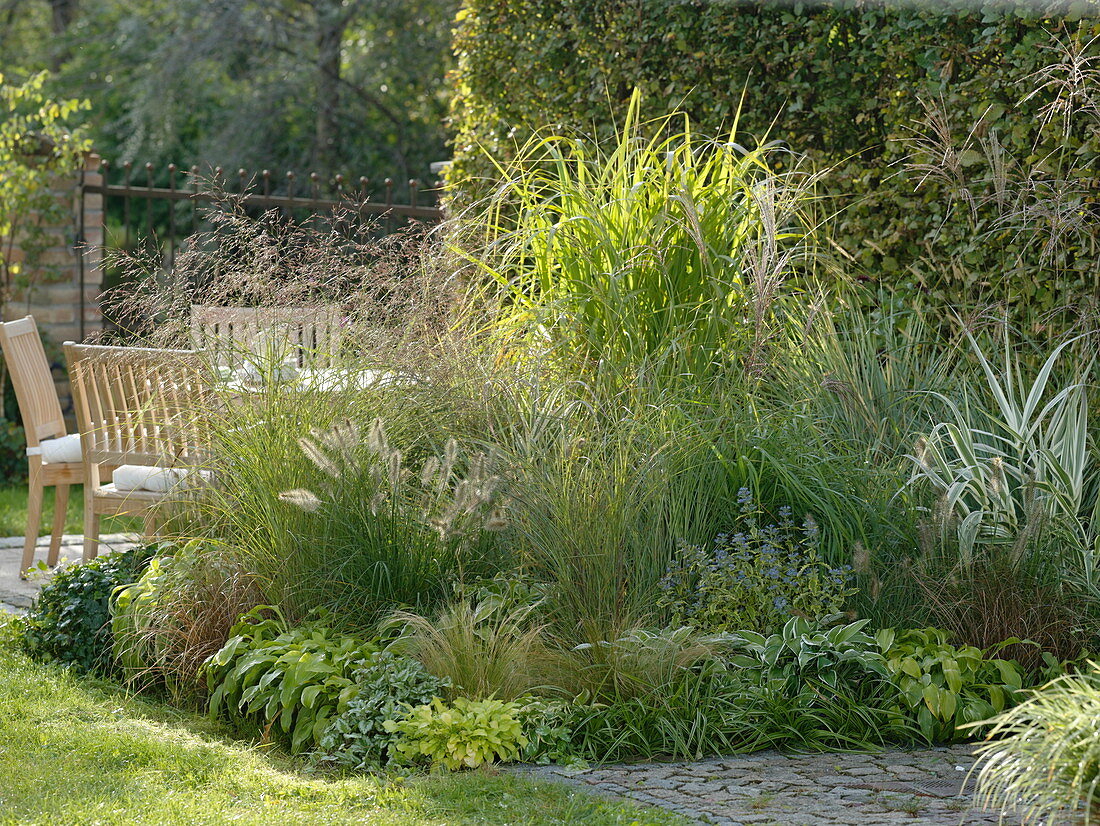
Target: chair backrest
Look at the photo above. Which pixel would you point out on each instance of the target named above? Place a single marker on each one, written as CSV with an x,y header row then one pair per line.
x,y
139,406
33,382
308,334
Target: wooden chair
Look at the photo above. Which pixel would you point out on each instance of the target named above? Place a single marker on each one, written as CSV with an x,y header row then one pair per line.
x,y
43,422
134,406
308,334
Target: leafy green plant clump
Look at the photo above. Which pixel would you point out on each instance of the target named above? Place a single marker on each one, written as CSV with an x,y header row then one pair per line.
x,y
465,734
947,688
754,578
291,681
388,685
70,620
814,687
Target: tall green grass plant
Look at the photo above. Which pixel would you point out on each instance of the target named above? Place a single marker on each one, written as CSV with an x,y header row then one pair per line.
x,y
661,252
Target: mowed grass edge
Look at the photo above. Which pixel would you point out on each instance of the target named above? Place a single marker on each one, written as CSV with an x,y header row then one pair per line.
x,y
80,751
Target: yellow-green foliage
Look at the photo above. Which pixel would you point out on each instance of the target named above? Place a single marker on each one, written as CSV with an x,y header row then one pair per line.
x,y
464,735
947,687
1042,758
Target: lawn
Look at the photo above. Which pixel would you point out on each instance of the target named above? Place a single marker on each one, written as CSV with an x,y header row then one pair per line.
x,y
81,751
13,513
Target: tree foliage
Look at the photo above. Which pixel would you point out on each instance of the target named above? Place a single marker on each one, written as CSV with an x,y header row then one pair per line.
x,y
36,146
333,86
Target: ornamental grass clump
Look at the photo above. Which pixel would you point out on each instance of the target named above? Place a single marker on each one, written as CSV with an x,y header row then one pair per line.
x,y
1041,759
661,251
755,578
349,521
178,614
481,650
1014,455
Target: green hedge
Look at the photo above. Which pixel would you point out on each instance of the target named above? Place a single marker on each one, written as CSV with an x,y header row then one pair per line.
x,y
843,82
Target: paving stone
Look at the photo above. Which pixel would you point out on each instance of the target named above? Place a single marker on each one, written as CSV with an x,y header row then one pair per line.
x,y
16,595
795,790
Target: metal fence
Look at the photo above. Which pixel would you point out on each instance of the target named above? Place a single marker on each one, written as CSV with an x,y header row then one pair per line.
x,y
137,191
158,209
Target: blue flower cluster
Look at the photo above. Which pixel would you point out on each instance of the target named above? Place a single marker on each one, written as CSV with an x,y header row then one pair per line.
x,y
755,577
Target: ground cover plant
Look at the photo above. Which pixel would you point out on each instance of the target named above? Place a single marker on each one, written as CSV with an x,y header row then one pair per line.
x,y
949,689
357,738
70,620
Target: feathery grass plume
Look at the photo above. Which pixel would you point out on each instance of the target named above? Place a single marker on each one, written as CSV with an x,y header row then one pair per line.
x,y
395,293
319,458
300,498
1023,211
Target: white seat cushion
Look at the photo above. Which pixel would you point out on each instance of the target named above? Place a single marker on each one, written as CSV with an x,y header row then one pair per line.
x,y
151,477
63,449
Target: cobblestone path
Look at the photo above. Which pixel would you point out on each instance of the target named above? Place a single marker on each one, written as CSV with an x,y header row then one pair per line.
x,y
895,787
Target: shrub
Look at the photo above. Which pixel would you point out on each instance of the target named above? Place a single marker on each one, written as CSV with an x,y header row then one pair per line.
x,y
13,455
70,620
466,734
1042,758
846,84
178,614
754,578
946,688
388,684
291,681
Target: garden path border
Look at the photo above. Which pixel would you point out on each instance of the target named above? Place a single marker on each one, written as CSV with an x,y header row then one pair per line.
x,y
16,595
921,788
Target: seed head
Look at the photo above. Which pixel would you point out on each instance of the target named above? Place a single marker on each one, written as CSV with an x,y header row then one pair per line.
x,y
301,498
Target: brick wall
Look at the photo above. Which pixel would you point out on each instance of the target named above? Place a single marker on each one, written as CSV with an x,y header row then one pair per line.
x,y
62,309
